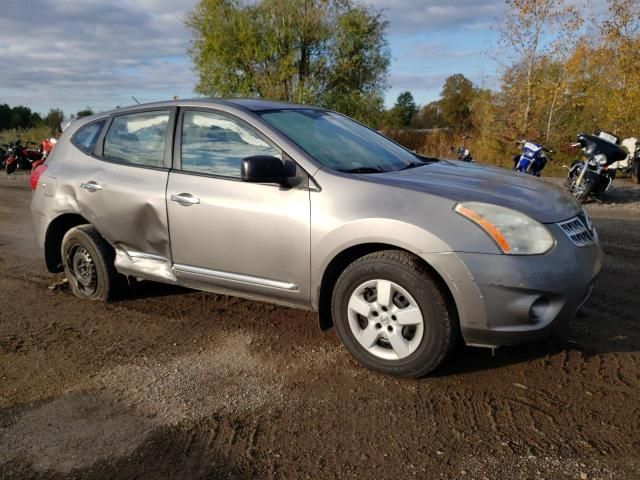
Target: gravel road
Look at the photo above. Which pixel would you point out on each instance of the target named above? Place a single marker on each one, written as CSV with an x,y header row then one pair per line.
x,y
173,383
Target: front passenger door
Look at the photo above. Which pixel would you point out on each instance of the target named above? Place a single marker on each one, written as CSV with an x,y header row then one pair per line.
x,y
231,235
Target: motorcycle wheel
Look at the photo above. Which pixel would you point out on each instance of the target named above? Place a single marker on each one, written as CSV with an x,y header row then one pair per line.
x,y
583,194
10,168
635,172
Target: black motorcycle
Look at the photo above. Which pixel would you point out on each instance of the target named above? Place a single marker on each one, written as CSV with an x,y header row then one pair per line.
x,y
591,175
463,153
635,165
3,155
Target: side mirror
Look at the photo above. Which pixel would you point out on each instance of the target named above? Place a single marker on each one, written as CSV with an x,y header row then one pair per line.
x,y
263,169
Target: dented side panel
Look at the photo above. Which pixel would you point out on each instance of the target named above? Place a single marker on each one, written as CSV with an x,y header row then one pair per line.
x,y
129,209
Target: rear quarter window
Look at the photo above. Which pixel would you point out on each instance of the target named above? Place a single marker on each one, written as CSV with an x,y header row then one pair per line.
x,y
86,137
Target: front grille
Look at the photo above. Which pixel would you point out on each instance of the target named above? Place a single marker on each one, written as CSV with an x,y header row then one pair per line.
x,y
577,230
586,220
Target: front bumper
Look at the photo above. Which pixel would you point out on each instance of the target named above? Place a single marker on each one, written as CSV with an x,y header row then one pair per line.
x,y
509,299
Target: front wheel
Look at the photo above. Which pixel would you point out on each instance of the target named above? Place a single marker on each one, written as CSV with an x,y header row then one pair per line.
x,y
88,264
392,316
584,191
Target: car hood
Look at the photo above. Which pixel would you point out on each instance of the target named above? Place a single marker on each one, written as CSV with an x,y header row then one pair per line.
x,y
461,181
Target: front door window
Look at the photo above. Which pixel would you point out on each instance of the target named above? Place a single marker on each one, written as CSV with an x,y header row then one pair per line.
x,y
216,144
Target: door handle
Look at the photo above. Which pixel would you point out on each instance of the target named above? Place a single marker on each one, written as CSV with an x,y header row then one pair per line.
x,y
185,199
91,186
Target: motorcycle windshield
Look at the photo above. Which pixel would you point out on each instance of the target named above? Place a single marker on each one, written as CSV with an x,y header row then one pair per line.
x,y
532,147
594,145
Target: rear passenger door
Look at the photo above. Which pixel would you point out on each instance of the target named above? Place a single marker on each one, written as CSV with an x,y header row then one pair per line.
x,y
231,235
122,190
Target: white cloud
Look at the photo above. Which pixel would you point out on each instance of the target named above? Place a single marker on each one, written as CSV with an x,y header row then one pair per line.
x,y
439,50
411,16
74,53
413,81
87,52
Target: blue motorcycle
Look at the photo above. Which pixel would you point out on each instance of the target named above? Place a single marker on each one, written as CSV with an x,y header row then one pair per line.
x,y
533,158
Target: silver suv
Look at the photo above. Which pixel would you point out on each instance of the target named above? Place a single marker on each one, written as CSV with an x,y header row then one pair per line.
x,y
302,206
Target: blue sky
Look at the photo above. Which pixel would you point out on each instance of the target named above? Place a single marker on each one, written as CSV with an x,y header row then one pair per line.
x,y
98,53
432,39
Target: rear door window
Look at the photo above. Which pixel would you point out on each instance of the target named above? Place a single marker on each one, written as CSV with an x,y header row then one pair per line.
x,y
86,137
137,138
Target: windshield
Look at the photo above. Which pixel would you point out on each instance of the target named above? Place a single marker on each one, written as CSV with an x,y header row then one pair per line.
x,y
340,143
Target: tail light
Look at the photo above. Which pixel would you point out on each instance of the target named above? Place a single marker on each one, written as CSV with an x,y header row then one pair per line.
x,y
36,173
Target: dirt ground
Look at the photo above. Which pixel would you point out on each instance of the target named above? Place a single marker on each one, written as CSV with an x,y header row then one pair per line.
x,y
173,383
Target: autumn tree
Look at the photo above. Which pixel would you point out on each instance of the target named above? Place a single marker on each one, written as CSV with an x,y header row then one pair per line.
x,y
561,76
327,52
428,116
529,31
603,76
621,35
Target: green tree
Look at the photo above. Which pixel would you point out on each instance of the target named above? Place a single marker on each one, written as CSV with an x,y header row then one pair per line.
x,y
54,118
5,116
18,117
328,52
455,102
406,108
85,113
402,113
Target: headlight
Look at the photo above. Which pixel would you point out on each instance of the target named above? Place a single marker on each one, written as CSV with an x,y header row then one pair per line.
x,y
600,159
514,232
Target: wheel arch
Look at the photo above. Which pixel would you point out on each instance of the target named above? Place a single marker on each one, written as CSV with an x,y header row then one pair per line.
x,y
53,238
340,261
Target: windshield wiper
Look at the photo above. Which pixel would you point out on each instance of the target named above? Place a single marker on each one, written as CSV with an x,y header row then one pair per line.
x,y
413,165
365,170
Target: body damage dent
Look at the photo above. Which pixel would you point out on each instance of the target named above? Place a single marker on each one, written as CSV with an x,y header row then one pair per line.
x,y
137,264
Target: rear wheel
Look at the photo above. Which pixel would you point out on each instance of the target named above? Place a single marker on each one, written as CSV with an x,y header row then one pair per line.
x,y
9,168
635,172
88,264
392,316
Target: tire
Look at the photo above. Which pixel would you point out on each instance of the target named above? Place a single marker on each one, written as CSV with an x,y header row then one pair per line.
x,y
584,194
89,264
412,286
635,172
